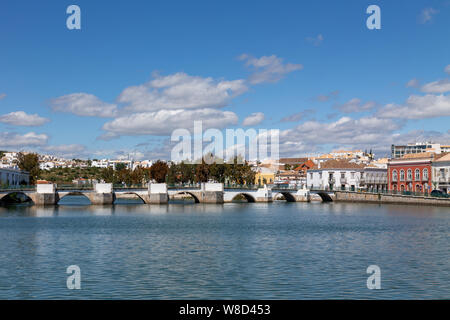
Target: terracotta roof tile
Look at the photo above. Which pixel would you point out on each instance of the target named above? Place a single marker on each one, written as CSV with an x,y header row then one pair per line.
x,y
339,164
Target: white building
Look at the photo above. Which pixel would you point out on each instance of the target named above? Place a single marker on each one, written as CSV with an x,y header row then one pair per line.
x,y
374,178
13,177
440,173
104,163
335,175
398,151
46,165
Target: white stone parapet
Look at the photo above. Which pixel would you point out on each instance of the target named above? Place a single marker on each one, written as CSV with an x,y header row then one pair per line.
x,y
214,187
157,188
302,192
45,188
103,187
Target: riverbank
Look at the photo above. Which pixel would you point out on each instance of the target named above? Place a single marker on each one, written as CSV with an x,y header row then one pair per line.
x,y
350,196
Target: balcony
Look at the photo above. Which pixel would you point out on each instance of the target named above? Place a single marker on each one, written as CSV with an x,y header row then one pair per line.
x,y
425,178
343,180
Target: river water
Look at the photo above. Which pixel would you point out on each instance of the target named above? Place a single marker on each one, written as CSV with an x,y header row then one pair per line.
x,y
231,251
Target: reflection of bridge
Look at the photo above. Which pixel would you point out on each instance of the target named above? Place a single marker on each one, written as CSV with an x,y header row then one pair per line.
x,y
103,194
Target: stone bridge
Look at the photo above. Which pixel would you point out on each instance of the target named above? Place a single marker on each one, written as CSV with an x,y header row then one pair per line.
x,y
158,193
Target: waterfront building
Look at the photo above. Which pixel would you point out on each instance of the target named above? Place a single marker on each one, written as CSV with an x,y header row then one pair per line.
x,y
374,177
13,177
293,178
441,173
412,172
335,175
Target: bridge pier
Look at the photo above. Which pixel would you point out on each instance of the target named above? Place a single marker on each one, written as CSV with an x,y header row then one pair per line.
x,y
45,195
157,193
302,195
103,194
263,195
211,193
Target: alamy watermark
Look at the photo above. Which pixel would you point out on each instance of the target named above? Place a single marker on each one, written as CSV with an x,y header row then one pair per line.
x,y
74,280
74,20
236,146
374,280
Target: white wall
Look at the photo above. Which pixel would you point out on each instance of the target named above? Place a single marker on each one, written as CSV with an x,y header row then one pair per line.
x,y
103,187
156,188
318,182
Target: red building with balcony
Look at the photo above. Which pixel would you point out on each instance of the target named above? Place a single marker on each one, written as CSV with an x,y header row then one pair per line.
x,y
412,172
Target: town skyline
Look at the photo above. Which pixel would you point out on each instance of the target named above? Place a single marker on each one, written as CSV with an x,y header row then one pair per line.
x,y
294,75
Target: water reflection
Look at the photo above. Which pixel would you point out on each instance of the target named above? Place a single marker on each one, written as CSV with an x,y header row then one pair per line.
x,y
235,250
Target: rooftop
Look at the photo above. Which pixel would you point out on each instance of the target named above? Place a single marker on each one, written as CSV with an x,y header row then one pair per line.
x,y
339,164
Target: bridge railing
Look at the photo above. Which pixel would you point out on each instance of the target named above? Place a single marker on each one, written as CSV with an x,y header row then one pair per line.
x,y
17,188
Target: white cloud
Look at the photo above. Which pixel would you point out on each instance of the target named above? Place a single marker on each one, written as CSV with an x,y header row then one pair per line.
x,y
418,107
427,15
316,41
413,83
253,119
360,133
163,122
180,91
83,104
20,118
16,140
268,68
447,69
355,105
440,86
2,96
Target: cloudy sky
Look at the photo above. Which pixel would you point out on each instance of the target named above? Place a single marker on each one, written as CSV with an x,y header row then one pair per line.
x,y
137,70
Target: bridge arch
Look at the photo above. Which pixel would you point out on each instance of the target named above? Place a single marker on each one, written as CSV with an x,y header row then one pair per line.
x,y
196,200
72,193
117,196
8,198
325,197
287,195
247,197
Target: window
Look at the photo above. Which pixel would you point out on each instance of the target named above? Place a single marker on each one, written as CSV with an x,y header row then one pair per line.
x,y
394,175
425,174
402,175
417,174
409,174
352,174
342,175
442,171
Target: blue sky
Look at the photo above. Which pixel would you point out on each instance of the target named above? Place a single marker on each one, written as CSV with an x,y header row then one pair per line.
x,y
137,70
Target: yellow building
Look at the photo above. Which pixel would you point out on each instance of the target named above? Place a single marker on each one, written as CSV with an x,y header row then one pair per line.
x,y
264,176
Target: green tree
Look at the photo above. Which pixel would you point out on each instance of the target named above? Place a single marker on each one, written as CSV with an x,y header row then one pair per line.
x,y
202,172
159,171
120,166
29,162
